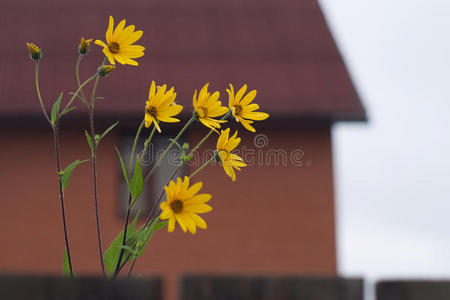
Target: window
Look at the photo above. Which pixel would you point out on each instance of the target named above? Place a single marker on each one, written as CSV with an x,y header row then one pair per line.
x,y
152,189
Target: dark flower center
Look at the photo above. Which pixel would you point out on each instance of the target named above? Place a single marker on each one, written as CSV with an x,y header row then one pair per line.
x,y
152,111
237,110
203,111
114,47
176,206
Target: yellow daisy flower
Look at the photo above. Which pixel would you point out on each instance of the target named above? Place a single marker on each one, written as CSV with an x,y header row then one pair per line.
x,y
242,108
207,107
119,42
184,204
160,106
225,145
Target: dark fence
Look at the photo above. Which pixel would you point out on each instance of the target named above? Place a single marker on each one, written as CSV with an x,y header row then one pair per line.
x,y
269,288
413,290
84,288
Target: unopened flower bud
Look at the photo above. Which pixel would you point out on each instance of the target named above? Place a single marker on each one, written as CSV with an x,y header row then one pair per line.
x,y
105,70
84,46
34,51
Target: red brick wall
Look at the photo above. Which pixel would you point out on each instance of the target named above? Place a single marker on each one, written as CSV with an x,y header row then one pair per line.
x,y
273,219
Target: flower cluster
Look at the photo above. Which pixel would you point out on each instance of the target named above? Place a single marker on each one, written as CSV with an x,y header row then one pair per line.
x,y
183,202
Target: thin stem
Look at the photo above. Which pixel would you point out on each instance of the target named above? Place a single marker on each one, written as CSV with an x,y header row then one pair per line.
x,y
132,266
77,76
168,148
94,171
201,142
39,95
208,134
147,143
138,133
202,167
150,217
79,89
61,195
124,240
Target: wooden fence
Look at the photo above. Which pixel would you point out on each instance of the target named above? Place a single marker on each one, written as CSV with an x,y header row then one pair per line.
x,y
269,288
83,288
413,290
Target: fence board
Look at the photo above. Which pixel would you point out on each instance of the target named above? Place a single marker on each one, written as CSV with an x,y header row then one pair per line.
x,y
270,288
83,288
413,290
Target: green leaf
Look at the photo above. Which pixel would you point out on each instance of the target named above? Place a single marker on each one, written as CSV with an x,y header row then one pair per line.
x,y
68,110
108,130
66,267
89,141
145,235
65,176
124,170
55,109
137,182
79,97
111,255
161,225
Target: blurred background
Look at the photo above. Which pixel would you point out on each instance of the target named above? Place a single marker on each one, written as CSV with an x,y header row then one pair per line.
x,y
346,178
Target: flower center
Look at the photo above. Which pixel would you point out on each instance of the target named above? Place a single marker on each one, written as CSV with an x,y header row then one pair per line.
x,y
202,112
223,154
176,206
114,47
237,110
152,111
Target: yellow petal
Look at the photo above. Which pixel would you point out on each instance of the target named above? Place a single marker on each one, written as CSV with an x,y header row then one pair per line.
x,y
118,30
248,98
100,43
109,31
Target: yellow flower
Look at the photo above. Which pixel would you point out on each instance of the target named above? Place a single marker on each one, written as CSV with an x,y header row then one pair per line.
x,y
183,204
160,106
119,43
225,145
207,107
84,46
242,108
34,51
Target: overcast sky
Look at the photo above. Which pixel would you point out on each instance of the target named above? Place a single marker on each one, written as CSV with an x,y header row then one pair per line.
x,y
393,173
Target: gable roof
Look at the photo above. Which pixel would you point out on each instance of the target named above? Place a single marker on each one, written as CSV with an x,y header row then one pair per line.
x,y
282,48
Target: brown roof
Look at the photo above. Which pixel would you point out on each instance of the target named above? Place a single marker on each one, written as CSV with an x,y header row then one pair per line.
x,y
282,48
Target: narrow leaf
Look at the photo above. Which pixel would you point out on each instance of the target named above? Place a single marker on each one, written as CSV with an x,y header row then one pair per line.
x,y
108,130
66,267
137,182
124,170
89,141
65,177
68,110
161,225
55,109
146,233
111,255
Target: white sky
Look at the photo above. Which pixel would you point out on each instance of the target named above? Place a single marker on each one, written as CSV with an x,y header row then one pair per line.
x,y
393,174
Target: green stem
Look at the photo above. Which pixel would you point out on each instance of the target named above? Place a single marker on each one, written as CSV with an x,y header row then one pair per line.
x,y
208,134
94,171
39,95
138,133
77,75
168,148
147,143
202,167
61,195
79,89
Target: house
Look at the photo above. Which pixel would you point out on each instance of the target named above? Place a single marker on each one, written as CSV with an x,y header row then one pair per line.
x,y
278,217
